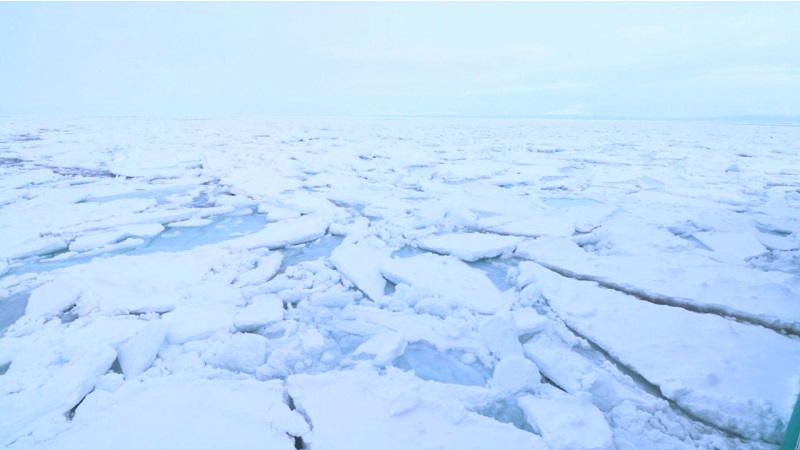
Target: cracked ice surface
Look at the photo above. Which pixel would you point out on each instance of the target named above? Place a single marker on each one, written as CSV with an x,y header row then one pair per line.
x,y
397,284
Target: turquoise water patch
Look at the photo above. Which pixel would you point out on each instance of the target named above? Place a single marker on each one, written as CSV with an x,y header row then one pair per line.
x,y
181,239
430,364
171,240
11,309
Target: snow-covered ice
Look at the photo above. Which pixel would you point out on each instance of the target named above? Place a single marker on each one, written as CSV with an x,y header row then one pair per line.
x,y
446,282
404,283
470,246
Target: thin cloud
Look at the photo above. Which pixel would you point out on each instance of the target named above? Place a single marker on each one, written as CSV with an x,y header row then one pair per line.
x,y
529,88
748,76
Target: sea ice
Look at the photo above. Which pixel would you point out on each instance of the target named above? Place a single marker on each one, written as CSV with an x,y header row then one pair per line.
x,y
240,352
470,246
176,411
766,298
451,282
716,376
500,333
568,422
384,347
515,373
263,310
284,233
396,412
21,411
681,334
189,323
360,261
740,245
571,371
138,353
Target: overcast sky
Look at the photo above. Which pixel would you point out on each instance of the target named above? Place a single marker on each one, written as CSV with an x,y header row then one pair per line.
x,y
633,60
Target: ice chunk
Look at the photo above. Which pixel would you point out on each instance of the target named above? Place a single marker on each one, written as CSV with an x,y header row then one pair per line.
x,y
470,246
551,246
211,414
501,335
728,288
95,240
263,310
138,353
145,230
40,246
528,321
20,412
190,223
571,371
395,412
126,244
312,341
545,224
732,245
384,347
136,284
266,268
284,233
721,372
52,298
86,332
568,423
241,352
360,262
276,213
198,321
451,282
515,373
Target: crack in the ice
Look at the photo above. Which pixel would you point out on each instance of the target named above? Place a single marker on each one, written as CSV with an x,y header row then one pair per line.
x,y
299,442
646,384
677,302
69,415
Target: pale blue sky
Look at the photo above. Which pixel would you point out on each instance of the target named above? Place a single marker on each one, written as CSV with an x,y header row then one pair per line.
x,y
634,60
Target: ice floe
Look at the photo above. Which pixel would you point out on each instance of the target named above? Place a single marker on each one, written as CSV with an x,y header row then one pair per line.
x,y
414,283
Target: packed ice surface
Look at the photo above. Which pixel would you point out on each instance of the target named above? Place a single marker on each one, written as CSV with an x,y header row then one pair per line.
x,y
376,283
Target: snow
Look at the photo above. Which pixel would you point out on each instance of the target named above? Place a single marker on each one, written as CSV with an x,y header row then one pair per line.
x,y
410,283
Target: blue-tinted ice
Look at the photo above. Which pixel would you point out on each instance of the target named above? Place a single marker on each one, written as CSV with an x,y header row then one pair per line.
x,y
430,364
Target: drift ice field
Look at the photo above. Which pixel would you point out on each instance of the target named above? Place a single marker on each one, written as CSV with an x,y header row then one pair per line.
x,y
397,284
